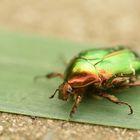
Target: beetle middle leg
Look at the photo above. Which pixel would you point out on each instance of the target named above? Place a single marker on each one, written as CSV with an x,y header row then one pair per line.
x,y
115,100
75,105
50,75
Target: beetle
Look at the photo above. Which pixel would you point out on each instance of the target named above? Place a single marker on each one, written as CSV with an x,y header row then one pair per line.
x,y
96,72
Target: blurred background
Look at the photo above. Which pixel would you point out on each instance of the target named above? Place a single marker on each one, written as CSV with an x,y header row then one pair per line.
x,y
107,22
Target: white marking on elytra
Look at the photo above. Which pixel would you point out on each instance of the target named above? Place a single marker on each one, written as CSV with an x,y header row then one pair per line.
x,y
133,70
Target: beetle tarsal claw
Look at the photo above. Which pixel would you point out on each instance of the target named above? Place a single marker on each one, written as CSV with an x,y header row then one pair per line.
x,y
71,114
131,110
51,96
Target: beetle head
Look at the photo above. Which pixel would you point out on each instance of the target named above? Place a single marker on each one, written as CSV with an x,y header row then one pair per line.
x,y
64,91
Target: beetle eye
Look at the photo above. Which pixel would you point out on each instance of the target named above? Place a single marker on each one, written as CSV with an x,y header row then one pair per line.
x,y
69,90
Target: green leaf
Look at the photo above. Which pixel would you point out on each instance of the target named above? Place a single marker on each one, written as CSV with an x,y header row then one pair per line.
x,y
23,57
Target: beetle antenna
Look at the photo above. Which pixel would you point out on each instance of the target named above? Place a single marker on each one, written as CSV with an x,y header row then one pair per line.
x,y
54,94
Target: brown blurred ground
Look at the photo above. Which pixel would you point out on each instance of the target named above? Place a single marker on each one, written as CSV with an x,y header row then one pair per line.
x,y
106,22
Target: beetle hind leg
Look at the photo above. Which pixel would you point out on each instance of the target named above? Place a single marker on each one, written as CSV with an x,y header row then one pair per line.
x,y
134,84
115,100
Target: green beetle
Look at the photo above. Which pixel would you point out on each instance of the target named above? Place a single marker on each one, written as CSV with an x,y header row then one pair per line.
x,y
97,71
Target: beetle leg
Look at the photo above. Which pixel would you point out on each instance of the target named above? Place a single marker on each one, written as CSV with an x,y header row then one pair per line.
x,y
114,99
53,75
49,76
75,105
120,81
137,83
125,81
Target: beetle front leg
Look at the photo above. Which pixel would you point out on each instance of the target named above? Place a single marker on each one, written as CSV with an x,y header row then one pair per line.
x,y
54,74
75,105
50,75
114,99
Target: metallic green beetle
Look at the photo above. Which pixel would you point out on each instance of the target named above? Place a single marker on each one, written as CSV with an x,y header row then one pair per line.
x,y
96,71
